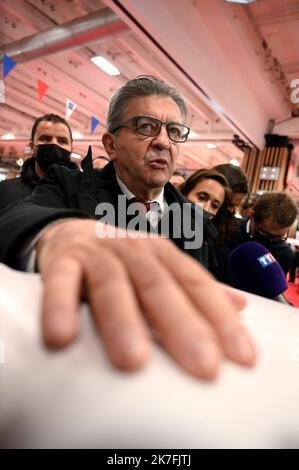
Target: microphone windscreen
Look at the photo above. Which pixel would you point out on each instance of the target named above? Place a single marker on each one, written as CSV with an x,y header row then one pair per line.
x,y
255,270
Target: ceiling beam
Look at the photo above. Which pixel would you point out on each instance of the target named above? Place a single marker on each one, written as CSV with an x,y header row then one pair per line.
x,y
76,33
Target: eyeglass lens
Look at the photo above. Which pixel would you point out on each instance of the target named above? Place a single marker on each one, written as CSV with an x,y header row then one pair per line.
x,y
151,127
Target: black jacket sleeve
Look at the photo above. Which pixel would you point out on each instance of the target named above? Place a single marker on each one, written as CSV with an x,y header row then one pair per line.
x,y
21,221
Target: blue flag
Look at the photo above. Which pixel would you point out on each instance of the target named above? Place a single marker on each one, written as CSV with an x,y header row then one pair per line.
x,y
94,123
8,65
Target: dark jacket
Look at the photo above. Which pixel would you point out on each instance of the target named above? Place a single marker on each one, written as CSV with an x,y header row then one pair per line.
x,y
19,188
279,249
70,193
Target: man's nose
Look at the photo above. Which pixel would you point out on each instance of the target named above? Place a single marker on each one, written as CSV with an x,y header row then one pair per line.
x,y
162,140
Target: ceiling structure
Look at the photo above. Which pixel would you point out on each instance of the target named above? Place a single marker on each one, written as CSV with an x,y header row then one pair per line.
x,y
233,64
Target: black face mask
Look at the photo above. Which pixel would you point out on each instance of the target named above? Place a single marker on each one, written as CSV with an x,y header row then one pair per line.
x,y
51,154
264,240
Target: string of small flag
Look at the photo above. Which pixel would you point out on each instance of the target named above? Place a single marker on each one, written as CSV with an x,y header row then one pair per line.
x,y
8,64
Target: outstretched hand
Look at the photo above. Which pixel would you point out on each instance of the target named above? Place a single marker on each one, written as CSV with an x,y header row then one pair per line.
x,y
135,286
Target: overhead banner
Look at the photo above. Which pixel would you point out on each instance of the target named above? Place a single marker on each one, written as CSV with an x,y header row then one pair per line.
x,y
2,92
70,108
8,65
42,88
94,123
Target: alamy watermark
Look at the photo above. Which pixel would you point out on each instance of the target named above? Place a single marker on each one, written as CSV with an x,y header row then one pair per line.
x,y
183,222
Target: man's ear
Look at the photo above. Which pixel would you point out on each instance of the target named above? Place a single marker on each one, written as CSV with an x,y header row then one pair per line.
x,y
109,142
33,150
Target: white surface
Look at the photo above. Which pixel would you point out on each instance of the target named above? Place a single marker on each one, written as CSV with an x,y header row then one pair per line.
x,y
75,398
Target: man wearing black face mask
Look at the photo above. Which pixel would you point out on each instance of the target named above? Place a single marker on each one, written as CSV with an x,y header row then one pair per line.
x,y
273,215
51,143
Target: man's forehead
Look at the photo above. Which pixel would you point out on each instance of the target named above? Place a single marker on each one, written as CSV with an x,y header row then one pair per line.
x,y
52,128
155,106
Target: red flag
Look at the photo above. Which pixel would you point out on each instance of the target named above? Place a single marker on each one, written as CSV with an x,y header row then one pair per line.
x,y
42,88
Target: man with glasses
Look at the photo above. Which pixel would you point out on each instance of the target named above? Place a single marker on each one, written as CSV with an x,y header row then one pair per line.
x,y
273,215
129,283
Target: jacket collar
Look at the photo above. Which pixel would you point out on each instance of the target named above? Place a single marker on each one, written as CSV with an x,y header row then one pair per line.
x,y
28,174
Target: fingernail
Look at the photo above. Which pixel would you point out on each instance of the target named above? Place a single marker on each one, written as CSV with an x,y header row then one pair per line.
x,y
130,352
206,358
241,348
57,330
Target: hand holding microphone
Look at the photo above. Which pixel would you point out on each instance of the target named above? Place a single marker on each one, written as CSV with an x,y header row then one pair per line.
x,y
255,270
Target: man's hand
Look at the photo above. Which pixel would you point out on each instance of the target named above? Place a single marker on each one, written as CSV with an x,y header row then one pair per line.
x,y
134,286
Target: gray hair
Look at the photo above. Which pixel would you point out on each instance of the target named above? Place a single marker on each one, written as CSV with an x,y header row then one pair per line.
x,y
143,85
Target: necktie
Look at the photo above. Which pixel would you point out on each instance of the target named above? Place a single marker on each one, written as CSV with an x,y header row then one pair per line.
x,y
144,207
150,210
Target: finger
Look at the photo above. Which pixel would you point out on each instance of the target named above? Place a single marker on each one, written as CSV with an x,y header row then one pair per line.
x,y
62,289
215,304
116,311
183,333
236,297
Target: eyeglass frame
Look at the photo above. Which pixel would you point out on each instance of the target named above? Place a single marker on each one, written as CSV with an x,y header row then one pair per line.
x,y
134,121
268,236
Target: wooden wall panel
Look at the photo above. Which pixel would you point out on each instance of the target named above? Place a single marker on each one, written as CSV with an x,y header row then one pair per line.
x,y
254,160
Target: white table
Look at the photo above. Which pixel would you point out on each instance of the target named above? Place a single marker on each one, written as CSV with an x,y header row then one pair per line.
x,y
75,398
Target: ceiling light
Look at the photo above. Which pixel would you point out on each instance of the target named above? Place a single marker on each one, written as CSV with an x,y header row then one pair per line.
x,y
77,135
269,173
216,106
76,156
105,65
234,162
211,146
193,135
8,136
240,1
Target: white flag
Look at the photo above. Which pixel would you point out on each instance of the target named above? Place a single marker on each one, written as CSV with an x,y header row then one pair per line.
x,y
2,93
70,108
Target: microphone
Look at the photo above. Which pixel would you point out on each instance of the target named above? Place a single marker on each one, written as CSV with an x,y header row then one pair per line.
x,y
255,270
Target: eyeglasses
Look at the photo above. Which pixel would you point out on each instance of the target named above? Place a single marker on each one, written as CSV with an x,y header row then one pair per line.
x,y
151,127
269,236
